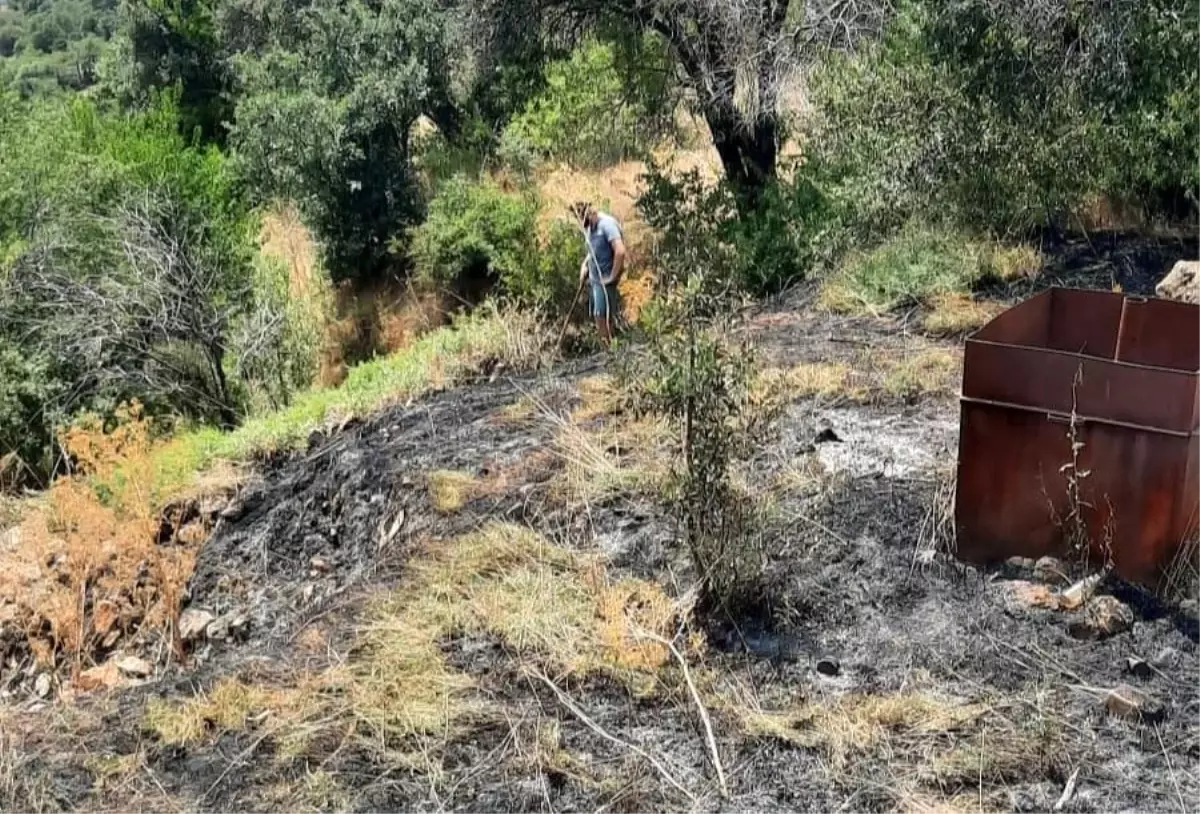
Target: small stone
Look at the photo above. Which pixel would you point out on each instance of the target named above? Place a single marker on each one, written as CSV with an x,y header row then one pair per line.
x,y
43,685
110,639
136,667
239,627
1079,593
1133,704
321,565
1050,570
828,667
1104,616
105,676
1020,563
1024,594
306,593
218,629
193,623
1139,667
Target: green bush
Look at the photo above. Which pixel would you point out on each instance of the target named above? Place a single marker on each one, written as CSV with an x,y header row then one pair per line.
x,y
920,264
781,242
595,110
127,261
1004,118
477,236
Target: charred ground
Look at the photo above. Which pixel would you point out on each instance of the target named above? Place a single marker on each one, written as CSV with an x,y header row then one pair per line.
x,y
886,675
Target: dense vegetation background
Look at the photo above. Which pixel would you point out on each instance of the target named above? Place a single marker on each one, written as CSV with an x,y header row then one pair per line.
x,y
143,142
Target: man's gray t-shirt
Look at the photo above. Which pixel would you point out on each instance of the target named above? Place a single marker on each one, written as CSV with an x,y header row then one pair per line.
x,y
600,254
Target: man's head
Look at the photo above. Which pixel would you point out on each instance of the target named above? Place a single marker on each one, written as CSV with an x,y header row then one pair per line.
x,y
584,214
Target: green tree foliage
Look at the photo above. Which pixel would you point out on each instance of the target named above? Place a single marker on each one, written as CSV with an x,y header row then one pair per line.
x,y
599,106
126,262
48,46
696,369
781,242
172,45
478,237
326,118
1007,116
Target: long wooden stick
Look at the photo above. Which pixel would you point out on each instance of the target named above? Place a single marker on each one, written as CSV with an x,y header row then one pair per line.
x,y
704,717
566,701
567,319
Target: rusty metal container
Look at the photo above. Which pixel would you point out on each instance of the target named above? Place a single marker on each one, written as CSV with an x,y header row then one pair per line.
x,y
1089,381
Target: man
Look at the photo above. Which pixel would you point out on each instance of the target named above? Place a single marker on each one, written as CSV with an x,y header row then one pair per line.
x,y
603,265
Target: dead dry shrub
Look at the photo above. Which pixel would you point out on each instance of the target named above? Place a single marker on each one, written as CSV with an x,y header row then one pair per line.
x,y
957,314
87,568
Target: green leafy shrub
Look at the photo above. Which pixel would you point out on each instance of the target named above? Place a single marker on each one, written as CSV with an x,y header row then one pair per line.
x,y
597,108
326,117
477,236
780,242
696,370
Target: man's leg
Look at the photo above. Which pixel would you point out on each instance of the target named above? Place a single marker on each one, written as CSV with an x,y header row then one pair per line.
x,y
600,312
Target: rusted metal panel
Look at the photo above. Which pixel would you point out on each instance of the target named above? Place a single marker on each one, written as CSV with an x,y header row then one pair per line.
x,y
1086,382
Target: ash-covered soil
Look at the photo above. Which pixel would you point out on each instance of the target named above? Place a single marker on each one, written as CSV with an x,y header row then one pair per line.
x,y
866,606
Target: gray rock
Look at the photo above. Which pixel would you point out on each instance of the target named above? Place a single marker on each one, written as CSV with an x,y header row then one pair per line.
x,y
193,623
1050,570
43,685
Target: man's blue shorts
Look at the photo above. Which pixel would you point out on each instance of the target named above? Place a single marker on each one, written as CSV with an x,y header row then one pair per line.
x,y
606,301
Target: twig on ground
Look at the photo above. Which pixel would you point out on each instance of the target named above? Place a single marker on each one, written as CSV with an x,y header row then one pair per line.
x,y
1170,770
704,717
1068,791
566,701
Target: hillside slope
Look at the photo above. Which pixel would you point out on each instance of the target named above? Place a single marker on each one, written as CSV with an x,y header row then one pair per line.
x,y
465,602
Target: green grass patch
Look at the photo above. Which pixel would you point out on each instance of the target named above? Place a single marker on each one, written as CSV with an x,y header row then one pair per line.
x,y
922,265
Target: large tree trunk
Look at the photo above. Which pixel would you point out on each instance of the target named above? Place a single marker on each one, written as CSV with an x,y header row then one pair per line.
x,y
748,154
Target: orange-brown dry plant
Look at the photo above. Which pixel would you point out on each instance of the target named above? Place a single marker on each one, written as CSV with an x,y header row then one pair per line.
x,y
86,567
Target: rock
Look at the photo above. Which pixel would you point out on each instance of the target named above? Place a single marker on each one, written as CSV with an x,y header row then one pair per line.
x,y
828,667
103,677
1133,704
193,623
135,667
1139,667
1050,570
110,639
321,565
43,685
1166,659
1104,616
1020,563
1024,594
239,626
1181,283
1079,593
218,629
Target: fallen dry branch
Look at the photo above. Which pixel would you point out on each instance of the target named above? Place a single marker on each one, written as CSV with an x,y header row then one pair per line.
x,y
704,717
566,701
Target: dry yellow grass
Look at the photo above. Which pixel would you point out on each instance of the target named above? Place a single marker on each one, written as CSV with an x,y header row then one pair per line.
x,y
548,606
87,570
449,491
620,457
855,725
598,396
954,314
1011,264
929,372
811,380
228,707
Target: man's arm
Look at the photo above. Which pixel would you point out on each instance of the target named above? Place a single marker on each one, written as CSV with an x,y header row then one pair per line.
x,y
618,247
